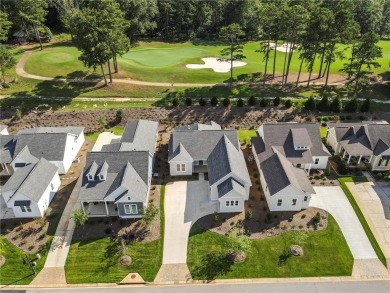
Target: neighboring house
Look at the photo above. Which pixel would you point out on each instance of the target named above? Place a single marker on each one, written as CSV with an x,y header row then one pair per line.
x,y
58,145
367,142
205,148
285,153
3,129
29,191
116,180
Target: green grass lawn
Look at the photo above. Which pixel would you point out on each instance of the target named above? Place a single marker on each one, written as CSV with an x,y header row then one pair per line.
x,y
323,131
360,215
94,135
246,135
97,260
14,271
326,253
165,62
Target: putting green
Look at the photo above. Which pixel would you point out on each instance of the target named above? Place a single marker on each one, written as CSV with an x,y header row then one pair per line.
x,y
162,57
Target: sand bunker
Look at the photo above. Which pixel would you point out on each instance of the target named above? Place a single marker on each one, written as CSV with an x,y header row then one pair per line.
x,y
281,48
216,65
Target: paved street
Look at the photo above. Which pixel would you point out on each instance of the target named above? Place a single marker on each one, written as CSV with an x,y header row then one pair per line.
x,y
333,200
288,287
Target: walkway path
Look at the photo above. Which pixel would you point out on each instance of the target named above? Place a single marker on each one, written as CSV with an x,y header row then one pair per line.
x,y
185,203
20,71
333,200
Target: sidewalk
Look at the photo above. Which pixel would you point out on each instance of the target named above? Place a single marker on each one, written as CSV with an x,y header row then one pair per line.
x,y
53,272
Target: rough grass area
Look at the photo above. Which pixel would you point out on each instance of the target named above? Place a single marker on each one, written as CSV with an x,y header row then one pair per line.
x,y
326,253
14,271
246,135
360,215
97,260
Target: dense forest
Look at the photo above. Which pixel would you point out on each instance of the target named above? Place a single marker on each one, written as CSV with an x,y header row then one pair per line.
x,y
103,28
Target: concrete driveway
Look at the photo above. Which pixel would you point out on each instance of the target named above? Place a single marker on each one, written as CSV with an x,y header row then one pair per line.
x,y
333,200
373,199
185,203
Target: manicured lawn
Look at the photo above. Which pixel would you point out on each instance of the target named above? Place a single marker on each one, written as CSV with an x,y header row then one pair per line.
x,y
323,131
326,253
246,135
360,215
14,271
97,260
165,62
94,135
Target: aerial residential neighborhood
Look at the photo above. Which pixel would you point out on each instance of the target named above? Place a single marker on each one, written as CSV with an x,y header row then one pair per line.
x,y
195,145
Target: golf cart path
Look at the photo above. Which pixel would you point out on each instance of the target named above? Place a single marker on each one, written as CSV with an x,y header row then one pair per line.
x,y
22,62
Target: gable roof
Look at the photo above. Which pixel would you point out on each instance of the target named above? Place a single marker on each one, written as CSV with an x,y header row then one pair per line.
x,y
31,180
25,156
50,146
279,173
208,126
225,188
138,135
225,158
75,130
127,169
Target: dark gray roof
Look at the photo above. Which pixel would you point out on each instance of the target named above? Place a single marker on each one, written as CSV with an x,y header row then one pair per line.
x,y
75,130
208,126
279,173
50,146
199,144
363,139
119,173
31,180
225,158
7,143
231,184
281,135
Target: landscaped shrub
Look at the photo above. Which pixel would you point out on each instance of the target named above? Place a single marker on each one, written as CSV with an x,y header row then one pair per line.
x,y
252,101
366,105
226,102
342,167
214,101
215,217
323,105
188,101
288,103
310,104
18,114
240,102
6,85
119,115
268,218
249,214
327,171
361,117
175,102
336,105
264,102
276,101
351,106
202,102
342,118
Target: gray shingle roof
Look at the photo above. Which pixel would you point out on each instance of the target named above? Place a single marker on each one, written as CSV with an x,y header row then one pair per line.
x,y
117,173
208,126
50,146
7,143
32,180
228,185
301,137
279,173
25,156
75,130
199,144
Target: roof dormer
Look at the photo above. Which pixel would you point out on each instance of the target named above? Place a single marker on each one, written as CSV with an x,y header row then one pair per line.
x,y
102,175
301,139
92,171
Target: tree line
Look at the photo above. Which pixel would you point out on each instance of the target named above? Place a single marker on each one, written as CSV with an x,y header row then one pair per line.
x,y
101,29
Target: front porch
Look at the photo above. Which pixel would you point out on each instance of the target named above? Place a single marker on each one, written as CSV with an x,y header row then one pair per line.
x,y
100,209
357,160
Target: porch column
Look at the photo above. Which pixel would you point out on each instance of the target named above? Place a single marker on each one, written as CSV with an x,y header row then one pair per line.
x,y
344,153
360,158
82,206
105,203
349,158
370,159
308,170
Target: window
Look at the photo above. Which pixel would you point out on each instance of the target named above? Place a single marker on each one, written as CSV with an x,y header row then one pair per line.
x,y
316,161
236,203
305,198
231,203
25,209
131,209
279,202
180,167
383,162
19,165
227,203
51,186
294,202
90,177
299,165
